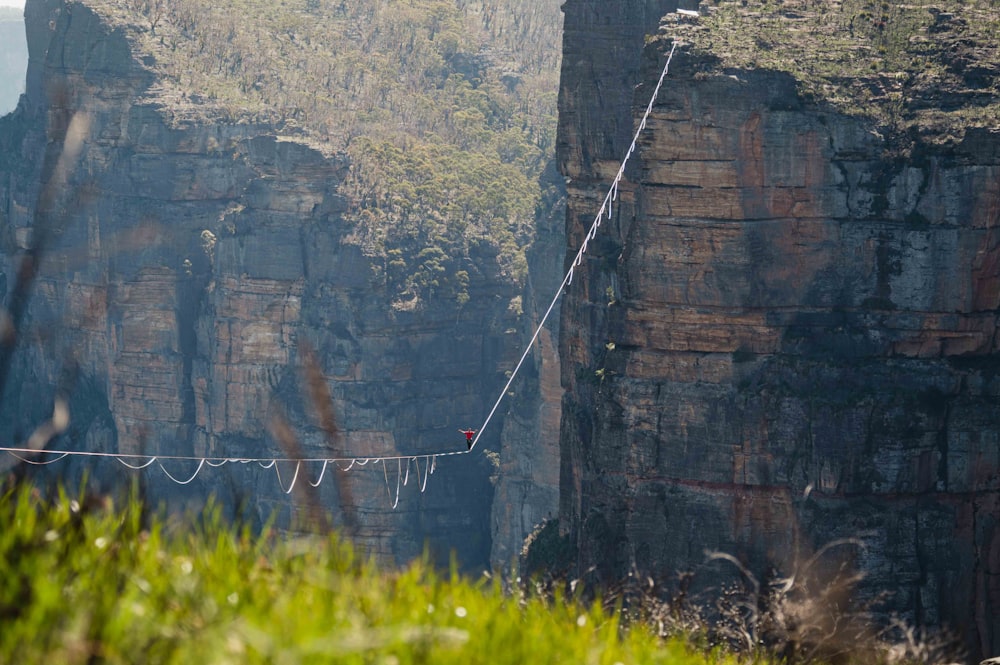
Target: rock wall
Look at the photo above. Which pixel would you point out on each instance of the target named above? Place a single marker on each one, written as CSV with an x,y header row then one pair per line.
x,y
527,480
602,45
785,336
185,260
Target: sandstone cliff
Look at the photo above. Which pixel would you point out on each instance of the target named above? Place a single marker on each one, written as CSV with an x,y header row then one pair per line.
x,y
527,480
187,257
786,335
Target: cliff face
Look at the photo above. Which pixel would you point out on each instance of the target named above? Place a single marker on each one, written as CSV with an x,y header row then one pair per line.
x,y
186,261
527,480
596,104
786,336
601,64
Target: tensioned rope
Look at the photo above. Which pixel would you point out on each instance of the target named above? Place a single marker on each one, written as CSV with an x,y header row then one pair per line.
x,y
611,196
139,461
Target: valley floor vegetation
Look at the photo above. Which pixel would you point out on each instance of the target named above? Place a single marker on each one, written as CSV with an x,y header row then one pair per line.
x,y
84,579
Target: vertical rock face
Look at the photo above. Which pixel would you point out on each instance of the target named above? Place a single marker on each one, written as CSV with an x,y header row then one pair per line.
x,y
186,259
784,338
527,481
602,44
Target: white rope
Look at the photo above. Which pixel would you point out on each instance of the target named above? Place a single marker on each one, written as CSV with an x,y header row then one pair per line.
x,y
298,466
427,474
137,467
182,482
430,459
36,463
402,476
322,472
264,462
399,472
578,259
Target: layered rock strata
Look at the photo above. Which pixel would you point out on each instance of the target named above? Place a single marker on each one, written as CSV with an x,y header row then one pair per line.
x,y
785,336
188,260
527,477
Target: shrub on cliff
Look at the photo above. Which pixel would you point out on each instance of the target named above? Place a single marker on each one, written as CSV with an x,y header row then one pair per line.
x,y
926,69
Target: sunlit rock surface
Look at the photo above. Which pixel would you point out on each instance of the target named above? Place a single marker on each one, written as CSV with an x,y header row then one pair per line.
x,y
783,336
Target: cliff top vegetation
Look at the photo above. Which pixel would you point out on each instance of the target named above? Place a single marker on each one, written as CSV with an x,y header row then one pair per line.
x,y
446,109
926,69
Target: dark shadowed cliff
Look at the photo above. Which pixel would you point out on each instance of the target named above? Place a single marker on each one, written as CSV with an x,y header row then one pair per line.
x,y
787,334
193,251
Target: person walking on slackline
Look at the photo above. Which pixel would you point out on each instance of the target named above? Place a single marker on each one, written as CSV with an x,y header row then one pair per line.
x,y
469,433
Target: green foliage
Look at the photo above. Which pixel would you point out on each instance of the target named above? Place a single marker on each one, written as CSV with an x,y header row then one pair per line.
x,y
926,67
84,581
430,203
447,110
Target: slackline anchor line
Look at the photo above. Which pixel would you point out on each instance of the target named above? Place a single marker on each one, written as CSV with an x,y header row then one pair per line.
x,y
138,462
605,210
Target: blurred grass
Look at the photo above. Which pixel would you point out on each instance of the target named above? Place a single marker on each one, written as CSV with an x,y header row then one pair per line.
x,y
84,580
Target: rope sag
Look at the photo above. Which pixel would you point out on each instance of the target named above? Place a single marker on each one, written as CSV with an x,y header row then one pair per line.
x,y
139,462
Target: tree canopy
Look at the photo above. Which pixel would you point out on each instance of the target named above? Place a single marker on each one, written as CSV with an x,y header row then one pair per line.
x,y
926,69
447,109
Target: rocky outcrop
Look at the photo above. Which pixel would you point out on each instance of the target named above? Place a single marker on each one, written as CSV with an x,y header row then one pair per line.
x,y
786,336
188,260
527,479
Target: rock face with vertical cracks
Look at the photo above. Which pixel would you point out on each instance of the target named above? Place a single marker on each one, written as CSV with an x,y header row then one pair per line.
x,y
782,337
186,258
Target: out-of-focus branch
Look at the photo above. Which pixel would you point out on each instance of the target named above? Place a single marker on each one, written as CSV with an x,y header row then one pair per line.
x,y
282,432
54,202
319,395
